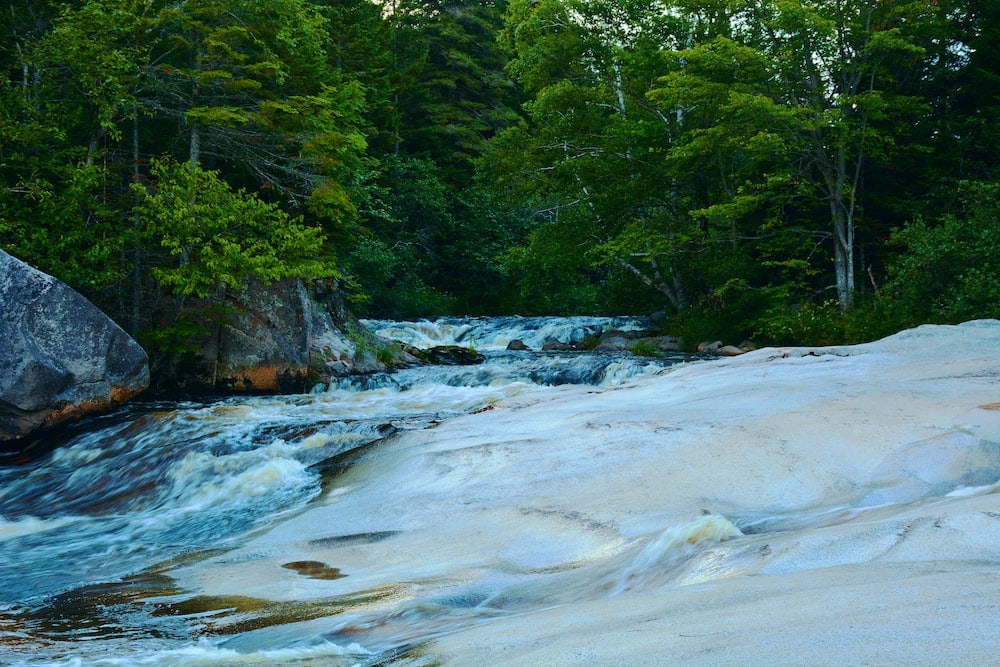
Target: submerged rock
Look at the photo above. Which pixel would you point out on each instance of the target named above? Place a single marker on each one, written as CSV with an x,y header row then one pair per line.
x,y
62,358
448,355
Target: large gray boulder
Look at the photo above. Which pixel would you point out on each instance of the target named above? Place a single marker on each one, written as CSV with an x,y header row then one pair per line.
x,y
60,357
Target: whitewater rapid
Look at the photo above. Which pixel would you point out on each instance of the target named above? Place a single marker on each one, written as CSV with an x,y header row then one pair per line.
x,y
153,484
791,506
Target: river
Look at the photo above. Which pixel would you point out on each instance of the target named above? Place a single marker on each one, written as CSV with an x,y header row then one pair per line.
x,y
794,506
91,529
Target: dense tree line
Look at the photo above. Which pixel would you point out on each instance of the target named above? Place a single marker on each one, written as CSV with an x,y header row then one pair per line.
x,y
797,170
794,170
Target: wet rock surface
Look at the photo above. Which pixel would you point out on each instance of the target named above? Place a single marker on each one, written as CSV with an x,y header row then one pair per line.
x,y
845,495
281,338
61,357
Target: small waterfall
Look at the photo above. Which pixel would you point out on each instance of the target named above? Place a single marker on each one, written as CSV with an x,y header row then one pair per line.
x,y
496,333
535,365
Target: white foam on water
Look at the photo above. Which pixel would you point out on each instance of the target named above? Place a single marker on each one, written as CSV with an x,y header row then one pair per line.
x,y
968,491
323,439
423,334
433,399
210,654
29,525
621,371
202,480
497,333
77,455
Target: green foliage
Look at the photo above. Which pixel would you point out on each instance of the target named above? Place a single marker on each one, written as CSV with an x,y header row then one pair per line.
x,y
456,94
874,317
472,242
179,339
385,352
643,348
64,221
735,162
949,268
214,237
391,259
392,286
101,47
729,313
805,324
589,158
549,271
424,249
695,325
547,42
717,151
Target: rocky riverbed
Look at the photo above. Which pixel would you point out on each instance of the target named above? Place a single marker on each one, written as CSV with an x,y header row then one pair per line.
x,y
792,506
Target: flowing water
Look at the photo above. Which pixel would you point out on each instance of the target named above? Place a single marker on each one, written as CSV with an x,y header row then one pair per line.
x,y
794,507
90,529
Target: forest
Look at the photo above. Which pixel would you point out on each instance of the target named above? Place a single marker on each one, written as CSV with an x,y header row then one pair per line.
x,y
789,171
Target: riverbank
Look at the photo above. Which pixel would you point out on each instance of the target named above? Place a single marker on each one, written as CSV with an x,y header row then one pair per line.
x,y
824,506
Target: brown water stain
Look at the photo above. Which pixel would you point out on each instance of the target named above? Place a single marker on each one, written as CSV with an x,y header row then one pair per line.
x,y
126,609
990,406
315,569
232,614
90,612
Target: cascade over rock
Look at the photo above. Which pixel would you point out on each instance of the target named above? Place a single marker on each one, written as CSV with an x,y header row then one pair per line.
x,y
61,357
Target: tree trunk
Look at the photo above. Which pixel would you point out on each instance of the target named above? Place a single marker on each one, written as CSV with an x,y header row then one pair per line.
x,y
675,293
843,255
619,87
842,195
135,307
194,149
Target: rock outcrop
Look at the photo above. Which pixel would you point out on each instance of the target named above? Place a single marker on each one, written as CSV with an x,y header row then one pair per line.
x,y
61,358
279,338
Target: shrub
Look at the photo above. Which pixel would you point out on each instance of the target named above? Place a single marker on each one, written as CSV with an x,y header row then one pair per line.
x,y
949,270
